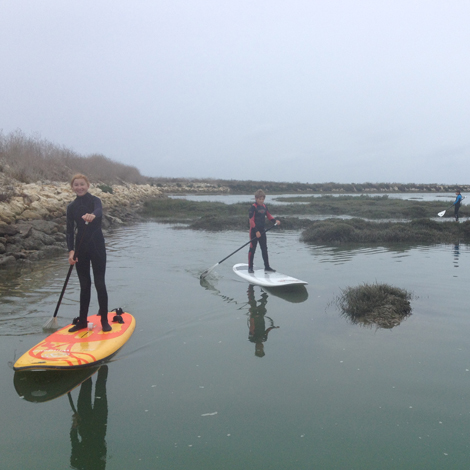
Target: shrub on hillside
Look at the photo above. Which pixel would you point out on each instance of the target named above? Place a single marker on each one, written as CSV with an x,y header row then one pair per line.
x,y
31,159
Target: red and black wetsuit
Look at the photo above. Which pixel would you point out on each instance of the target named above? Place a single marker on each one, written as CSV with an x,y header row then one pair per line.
x,y
257,215
92,250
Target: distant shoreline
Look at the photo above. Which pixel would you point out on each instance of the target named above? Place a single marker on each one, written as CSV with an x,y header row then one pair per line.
x,y
211,186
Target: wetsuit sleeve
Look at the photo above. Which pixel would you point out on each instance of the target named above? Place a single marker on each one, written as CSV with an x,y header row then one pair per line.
x,y
251,216
268,215
70,229
98,212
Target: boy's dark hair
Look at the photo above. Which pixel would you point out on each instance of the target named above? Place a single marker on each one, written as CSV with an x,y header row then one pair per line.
x,y
260,193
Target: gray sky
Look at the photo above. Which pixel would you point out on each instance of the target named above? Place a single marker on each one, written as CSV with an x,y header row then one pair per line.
x,y
308,91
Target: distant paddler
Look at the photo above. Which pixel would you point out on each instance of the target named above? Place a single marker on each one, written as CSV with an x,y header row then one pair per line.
x,y
457,204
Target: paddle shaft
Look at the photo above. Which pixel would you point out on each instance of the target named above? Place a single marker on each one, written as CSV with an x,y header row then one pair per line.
x,y
243,246
441,214
205,273
68,274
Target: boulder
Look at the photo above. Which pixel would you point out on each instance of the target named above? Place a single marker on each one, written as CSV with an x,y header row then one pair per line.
x,y
44,238
10,230
30,214
6,215
46,226
7,260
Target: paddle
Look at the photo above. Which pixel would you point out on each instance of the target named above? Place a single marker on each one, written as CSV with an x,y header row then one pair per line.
x,y
51,324
207,271
441,214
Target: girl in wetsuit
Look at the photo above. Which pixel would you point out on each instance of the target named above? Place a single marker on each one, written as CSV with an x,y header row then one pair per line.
x,y
457,203
86,212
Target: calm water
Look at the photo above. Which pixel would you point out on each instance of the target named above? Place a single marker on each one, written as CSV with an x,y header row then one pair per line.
x,y
234,198
190,391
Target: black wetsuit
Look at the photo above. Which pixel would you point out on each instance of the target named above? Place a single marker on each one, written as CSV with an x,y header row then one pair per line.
x,y
89,248
257,216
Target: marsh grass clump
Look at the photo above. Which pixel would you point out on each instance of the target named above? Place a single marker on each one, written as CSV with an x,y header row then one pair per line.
x,y
212,223
365,206
178,208
379,305
339,231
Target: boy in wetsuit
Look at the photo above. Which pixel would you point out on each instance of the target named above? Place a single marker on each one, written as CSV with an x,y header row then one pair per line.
x,y
257,215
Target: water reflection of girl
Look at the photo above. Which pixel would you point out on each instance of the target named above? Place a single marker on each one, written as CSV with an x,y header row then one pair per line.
x,y
89,425
258,333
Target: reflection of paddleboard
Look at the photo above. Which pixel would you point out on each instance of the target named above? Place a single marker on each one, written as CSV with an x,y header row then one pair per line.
x,y
41,386
83,348
260,278
294,293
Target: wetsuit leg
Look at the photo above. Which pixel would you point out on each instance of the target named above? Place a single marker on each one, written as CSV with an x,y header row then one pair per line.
x,y
253,245
263,243
83,271
456,212
98,262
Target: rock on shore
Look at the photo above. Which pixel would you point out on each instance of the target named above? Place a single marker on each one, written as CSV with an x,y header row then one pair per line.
x,y
32,218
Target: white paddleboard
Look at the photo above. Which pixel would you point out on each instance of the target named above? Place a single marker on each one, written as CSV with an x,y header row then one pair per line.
x,y
261,278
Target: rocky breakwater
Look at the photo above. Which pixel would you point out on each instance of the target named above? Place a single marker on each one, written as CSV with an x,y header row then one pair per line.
x,y
32,216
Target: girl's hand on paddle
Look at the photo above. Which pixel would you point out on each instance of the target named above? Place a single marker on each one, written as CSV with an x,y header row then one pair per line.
x,y
278,222
88,217
72,260
258,235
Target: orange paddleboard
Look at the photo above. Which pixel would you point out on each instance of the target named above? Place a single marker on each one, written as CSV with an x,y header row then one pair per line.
x,y
83,348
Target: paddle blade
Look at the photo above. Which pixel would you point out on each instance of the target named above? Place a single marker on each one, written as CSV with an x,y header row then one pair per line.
x,y
208,271
51,324
441,214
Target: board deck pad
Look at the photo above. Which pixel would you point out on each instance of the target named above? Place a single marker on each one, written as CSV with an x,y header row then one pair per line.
x,y
261,278
83,348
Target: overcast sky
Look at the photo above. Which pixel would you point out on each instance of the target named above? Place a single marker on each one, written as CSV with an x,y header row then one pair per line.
x,y
298,90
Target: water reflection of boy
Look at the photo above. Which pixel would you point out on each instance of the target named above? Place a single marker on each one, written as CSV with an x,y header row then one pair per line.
x,y
457,203
257,216
89,424
258,333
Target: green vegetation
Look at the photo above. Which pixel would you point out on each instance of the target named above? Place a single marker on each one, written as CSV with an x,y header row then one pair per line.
x,y
210,216
368,207
106,188
378,305
182,208
338,231
217,216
